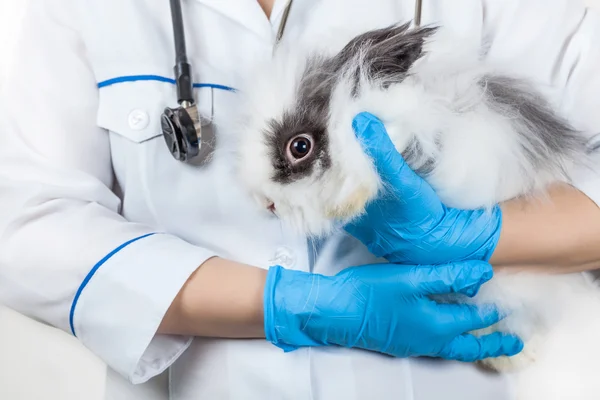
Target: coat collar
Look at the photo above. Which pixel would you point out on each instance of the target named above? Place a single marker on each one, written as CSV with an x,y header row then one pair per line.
x,y
250,15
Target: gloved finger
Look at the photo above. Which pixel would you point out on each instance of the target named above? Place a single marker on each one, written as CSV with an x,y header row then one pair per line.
x,y
391,166
462,318
464,277
461,277
469,348
376,143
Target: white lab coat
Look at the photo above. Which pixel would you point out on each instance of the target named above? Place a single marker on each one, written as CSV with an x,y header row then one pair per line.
x,y
101,226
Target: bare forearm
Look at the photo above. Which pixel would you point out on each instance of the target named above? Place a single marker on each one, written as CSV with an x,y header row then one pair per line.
x,y
221,299
560,233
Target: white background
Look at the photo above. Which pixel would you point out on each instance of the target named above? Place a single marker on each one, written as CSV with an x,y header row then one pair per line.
x,y
10,15
23,343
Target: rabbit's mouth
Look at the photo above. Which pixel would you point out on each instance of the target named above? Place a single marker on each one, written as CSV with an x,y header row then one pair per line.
x,y
270,205
267,203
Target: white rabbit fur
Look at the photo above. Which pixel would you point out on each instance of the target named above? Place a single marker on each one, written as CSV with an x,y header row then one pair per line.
x,y
481,163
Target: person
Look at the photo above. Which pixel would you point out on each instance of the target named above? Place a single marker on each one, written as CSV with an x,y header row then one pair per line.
x,y
154,264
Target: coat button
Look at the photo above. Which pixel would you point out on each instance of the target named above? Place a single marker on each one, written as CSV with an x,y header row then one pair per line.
x,y
284,257
138,120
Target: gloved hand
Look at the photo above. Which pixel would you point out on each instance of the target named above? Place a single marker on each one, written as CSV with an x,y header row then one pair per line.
x,y
410,224
384,308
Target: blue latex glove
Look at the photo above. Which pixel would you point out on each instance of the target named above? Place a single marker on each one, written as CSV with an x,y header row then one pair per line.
x,y
409,223
384,308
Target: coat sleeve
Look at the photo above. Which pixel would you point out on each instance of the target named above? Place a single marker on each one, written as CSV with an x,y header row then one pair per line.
x,y
557,43
67,257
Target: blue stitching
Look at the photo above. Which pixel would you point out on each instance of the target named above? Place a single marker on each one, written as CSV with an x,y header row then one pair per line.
x,y
91,274
134,78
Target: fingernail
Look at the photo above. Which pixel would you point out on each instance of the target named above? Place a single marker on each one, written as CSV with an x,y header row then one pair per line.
x,y
504,313
491,313
485,271
362,121
487,275
517,347
472,291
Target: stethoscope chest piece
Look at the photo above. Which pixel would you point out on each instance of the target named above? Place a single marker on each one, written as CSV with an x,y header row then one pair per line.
x,y
187,138
190,137
182,131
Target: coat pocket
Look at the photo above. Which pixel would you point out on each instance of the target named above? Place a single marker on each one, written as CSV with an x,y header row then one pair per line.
x,y
133,109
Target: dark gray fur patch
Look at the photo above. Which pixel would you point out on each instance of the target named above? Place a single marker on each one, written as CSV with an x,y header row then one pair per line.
x,y
416,158
384,56
594,144
550,138
281,132
309,117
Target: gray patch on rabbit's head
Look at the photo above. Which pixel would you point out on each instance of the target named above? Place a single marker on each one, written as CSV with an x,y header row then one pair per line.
x,y
309,116
382,56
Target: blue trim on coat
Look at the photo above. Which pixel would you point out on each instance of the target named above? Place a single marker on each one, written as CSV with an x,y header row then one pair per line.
x,y
91,274
158,78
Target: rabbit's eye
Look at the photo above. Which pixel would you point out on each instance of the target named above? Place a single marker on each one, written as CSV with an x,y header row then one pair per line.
x,y
299,147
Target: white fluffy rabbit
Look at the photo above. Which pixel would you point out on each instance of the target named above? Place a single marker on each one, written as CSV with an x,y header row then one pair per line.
x,y
477,135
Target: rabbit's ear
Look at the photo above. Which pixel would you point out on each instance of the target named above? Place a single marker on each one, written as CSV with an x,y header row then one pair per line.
x,y
385,55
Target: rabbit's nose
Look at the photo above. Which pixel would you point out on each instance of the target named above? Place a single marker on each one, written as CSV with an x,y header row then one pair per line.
x,y
271,207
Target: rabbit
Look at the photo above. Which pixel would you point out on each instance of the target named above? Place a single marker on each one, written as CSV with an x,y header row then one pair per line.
x,y
477,135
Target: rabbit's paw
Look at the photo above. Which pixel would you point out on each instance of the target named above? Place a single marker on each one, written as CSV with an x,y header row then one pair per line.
x,y
511,364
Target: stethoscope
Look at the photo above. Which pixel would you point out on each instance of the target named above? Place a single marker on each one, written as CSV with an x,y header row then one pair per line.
x,y
189,137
